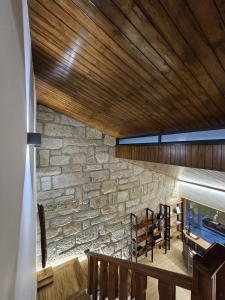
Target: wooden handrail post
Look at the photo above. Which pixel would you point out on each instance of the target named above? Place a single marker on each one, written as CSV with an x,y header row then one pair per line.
x,y
209,274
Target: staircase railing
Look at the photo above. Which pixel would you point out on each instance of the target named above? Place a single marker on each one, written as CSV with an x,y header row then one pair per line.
x,y
110,277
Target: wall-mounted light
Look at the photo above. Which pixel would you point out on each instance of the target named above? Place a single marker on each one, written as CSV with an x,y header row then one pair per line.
x,y
34,139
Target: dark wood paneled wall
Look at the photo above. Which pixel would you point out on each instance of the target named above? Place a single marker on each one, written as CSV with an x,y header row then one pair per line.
x,y
203,156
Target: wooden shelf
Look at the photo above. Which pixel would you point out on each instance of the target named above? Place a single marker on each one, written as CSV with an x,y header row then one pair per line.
x,y
176,234
141,238
142,225
200,242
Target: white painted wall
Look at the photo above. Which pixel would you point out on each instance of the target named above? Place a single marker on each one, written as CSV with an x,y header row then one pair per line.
x,y
17,204
202,195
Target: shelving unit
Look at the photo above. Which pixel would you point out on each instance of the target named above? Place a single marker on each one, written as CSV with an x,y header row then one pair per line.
x,y
177,219
141,233
165,212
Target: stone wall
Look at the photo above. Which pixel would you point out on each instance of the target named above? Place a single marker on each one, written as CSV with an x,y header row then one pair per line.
x,y
87,192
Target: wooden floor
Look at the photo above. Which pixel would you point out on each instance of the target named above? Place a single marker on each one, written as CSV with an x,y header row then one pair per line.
x,y
172,261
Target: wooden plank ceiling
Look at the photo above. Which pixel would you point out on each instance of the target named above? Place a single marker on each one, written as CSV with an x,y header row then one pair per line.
x,y
132,67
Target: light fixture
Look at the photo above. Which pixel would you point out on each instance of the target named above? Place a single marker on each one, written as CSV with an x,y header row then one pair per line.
x,y
34,139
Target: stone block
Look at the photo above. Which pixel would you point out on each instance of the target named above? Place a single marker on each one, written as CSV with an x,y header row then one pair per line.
x,y
68,180
55,152
87,168
109,186
121,209
78,158
88,214
38,184
48,171
146,177
69,191
71,168
73,149
109,209
65,244
39,127
45,116
109,250
92,133
98,202
133,202
51,143
60,221
138,170
91,155
117,235
52,194
89,235
64,198
126,186
57,130
123,196
91,186
103,218
102,157
102,149
46,184
92,194
86,224
59,160
54,233
71,122
71,228
109,141
99,175
120,174
136,192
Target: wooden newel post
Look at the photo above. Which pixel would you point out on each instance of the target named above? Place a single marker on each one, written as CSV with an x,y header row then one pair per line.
x,y
209,275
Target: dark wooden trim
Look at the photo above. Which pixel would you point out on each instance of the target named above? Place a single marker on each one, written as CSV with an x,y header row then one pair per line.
x,y
194,155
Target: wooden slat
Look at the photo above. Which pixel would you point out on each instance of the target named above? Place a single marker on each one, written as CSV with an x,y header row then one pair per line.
x,y
166,291
168,276
90,275
140,286
95,279
123,286
103,281
113,281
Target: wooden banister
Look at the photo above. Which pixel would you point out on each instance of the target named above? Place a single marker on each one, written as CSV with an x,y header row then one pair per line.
x,y
122,278
209,274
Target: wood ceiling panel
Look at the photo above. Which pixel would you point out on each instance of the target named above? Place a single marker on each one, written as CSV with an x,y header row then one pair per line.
x,y
133,67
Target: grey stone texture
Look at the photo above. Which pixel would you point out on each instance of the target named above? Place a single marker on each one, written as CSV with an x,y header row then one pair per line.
x,y
87,192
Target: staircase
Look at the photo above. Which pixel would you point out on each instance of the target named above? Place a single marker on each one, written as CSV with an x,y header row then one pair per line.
x,y
111,278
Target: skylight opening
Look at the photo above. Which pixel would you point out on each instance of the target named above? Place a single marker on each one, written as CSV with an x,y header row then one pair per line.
x,y
208,135
139,140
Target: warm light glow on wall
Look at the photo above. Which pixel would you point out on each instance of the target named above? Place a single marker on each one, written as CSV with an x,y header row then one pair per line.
x,y
203,195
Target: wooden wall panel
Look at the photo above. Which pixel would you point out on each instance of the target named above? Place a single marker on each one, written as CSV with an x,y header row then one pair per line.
x,y
202,156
